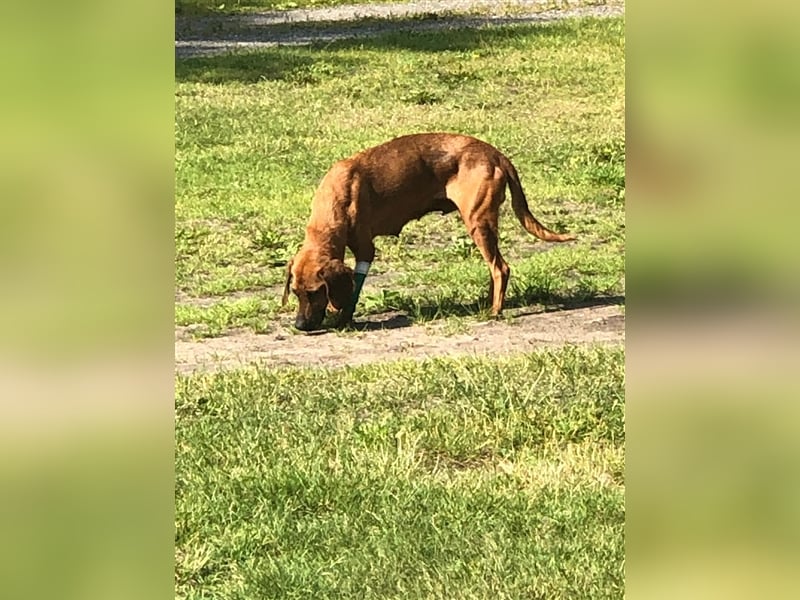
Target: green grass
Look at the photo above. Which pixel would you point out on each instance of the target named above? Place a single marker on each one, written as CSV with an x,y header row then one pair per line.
x,y
255,132
469,478
224,315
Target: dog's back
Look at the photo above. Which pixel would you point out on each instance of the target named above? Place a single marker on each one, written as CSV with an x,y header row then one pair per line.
x,y
406,178
408,158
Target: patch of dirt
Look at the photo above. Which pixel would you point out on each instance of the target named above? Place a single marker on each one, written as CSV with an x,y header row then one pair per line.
x,y
391,336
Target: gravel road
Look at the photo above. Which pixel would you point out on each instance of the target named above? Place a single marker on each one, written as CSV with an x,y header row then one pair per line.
x,y
219,34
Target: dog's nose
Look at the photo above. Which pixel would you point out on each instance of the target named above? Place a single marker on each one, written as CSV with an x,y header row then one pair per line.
x,y
302,324
308,324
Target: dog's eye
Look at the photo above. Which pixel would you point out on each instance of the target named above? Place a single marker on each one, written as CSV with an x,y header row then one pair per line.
x,y
309,293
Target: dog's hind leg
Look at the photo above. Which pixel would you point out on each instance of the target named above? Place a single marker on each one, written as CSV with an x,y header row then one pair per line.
x,y
479,205
484,235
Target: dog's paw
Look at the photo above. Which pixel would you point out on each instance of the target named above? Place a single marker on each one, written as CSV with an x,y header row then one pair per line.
x,y
343,320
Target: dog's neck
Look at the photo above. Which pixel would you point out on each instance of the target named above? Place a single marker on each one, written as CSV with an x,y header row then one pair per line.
x,y
326,233
325,243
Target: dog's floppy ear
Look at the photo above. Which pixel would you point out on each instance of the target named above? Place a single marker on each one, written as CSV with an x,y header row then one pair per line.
x,y
288,281
338,278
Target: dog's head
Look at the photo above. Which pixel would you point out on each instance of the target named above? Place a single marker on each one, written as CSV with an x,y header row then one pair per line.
x,y
317,281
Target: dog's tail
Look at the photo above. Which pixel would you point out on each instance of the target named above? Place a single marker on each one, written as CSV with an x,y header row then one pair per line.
x,y
520,205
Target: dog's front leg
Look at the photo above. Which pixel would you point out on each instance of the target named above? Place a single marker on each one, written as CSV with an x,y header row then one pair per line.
x,y
359,275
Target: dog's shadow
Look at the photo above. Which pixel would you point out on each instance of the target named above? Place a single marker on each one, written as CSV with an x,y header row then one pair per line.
x,y
393,322
515,309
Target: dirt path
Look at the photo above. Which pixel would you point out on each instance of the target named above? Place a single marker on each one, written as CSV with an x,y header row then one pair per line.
x,y
219,34
390,337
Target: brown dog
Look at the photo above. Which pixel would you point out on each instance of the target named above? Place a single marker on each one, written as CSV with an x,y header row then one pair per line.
x,y
377,191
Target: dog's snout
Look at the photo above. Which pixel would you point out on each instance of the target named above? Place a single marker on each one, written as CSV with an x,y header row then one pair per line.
x,y
302,324
308,324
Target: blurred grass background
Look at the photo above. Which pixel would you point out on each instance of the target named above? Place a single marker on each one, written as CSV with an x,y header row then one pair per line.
x,y
712,329
86,264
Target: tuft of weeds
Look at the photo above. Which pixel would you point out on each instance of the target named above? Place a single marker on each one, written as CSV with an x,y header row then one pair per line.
x,y
226,314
